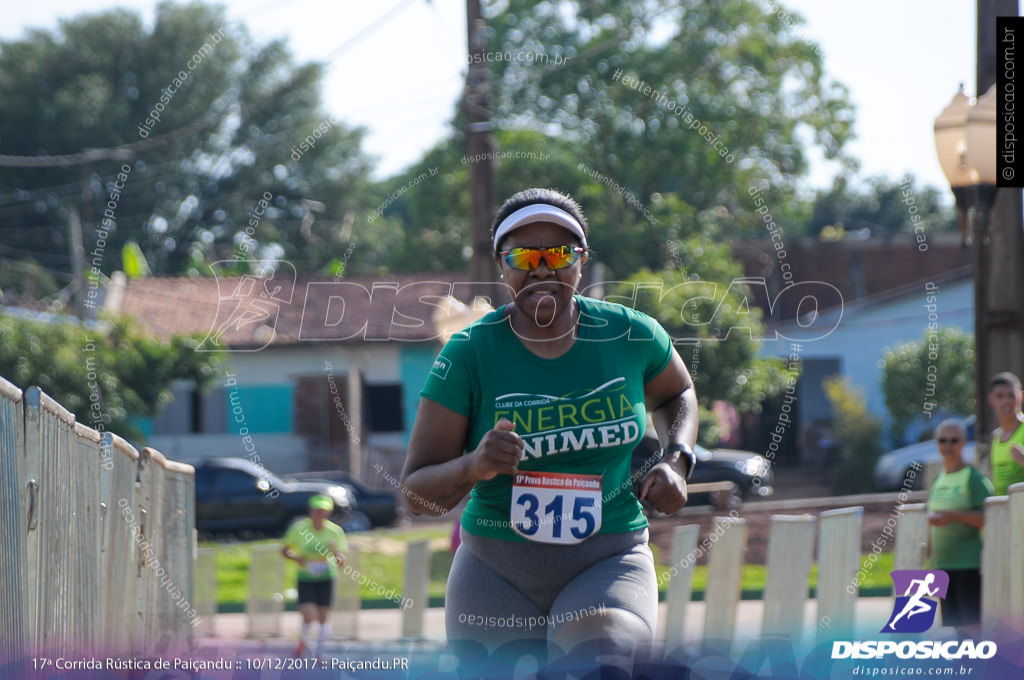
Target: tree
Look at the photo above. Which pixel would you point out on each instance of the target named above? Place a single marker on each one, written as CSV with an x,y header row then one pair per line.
x,y
563,119
107,375
685,104
212,123
24,280
883,206
700,304
429,216
859,433
927,381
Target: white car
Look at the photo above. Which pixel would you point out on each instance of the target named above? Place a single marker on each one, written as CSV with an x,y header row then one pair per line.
x,y
891,469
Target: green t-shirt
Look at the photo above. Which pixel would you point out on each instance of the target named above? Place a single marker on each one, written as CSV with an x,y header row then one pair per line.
x,y
1005,470
581,413
315,546
956,545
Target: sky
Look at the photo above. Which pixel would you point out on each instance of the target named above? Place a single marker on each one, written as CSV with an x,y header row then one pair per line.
x,y
397,66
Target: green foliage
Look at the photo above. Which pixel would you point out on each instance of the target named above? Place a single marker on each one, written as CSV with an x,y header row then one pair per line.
x,y
933,376
859,434
93,84
701,303
742,72
640,173
639,170
428,220
113,365
882,206
25,280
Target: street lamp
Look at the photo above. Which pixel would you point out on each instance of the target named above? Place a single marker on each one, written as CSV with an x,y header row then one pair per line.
x,y
965,141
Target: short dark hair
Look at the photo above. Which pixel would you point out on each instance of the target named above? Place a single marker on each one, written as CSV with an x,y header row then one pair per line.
x,y
1004,378
534,196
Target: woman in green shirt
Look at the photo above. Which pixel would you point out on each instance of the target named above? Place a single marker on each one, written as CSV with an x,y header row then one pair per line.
x,y
537,408
956,514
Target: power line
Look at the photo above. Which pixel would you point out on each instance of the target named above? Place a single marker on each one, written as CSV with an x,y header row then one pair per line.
x,y
365,33
272,137
122,152
63,190
57,258
83,159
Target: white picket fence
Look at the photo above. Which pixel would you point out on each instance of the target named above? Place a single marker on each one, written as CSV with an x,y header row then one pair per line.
x,y
789,563
788,566
266,599
1002,563
96,538
790,558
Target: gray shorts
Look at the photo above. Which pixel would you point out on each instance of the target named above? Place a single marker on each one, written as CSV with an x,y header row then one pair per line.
x,y
501,591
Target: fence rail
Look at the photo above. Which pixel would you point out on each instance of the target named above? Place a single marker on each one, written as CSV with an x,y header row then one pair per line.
x,y
786,613
96,538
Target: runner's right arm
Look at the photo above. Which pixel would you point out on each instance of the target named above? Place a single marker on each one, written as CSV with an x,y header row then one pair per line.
x,y
289,543
436,475
291,555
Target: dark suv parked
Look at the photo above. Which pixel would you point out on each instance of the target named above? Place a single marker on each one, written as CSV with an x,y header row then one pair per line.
x,y
380,507
236,495
717,465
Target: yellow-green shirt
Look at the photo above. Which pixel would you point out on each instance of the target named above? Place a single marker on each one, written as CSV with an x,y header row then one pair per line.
x,y
1006,471
315,546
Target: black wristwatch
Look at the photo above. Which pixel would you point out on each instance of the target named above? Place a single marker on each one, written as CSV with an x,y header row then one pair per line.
x,y
685,452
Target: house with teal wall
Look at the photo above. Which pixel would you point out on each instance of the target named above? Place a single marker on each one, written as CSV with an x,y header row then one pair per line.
x,y
316,373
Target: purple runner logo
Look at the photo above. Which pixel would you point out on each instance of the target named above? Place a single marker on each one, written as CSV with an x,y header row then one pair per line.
x,y
912,613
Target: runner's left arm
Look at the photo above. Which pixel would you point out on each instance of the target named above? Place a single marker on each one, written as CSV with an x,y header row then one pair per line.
x,y
672,401
336,550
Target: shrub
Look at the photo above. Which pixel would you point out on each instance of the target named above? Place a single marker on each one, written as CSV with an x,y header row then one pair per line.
x,y
859,434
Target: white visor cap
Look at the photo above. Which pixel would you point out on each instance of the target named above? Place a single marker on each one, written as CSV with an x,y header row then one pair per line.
x,y
539,212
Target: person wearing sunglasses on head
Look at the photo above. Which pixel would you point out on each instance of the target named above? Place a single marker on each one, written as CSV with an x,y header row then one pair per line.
x,y
956,515
536,408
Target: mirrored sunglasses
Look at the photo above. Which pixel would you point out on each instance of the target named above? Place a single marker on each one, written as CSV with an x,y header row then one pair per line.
x,y
556,257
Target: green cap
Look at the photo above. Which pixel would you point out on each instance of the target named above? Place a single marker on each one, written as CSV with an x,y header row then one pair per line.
x,y
320,502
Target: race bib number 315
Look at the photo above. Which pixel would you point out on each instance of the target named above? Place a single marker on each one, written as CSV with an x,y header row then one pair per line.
x,y
552,507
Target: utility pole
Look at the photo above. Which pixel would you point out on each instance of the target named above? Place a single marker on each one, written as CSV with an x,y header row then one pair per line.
x,y
995,217
75,242
479,148
76,252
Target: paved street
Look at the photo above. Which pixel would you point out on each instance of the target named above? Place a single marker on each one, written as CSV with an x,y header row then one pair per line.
x,y
379,630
